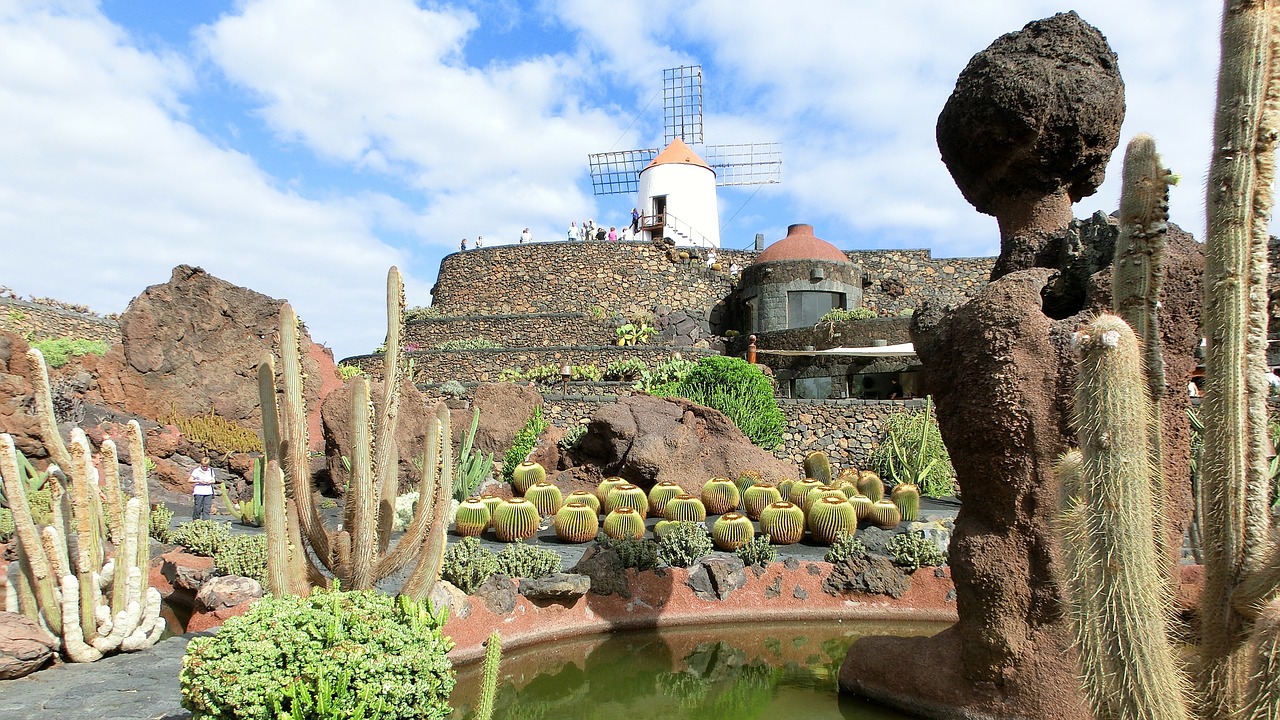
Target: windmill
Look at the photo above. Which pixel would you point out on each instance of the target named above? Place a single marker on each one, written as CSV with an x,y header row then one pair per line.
x,y
675,185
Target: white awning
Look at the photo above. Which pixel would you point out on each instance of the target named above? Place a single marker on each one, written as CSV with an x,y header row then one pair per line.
x,y
899,350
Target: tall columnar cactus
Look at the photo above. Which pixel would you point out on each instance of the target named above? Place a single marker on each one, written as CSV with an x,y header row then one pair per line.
x,y
92,605
360,554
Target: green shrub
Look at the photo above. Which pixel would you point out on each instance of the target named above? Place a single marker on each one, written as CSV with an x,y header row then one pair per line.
x,y
6,525
573,437
842,315
161,517
421,313
468,565
845,547
685,544
201,537
638,553
900,458
758,551
739,390
667,371
627,369
913,550
526,561
388,651
328,504
59,351
472,343
523,444
243,555
349,371
452,388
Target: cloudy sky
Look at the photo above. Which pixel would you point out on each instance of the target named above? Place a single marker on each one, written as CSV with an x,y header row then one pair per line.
x,y
301,147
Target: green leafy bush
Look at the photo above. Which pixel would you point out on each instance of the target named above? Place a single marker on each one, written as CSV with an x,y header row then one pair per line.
x,y
739,390
549,374
201,537
472,343
667,371
468,565
526,561
161,516
421,313
912,451
452,388
59,351
243,555
846,546
6,525
627,369
524,441
386,648
685,544
758,551
349,371
913,551
842,315
638,553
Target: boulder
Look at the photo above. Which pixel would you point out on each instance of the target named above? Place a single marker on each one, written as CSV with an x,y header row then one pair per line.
x,y
446,594
498,594
556,587
228,591
16,395
504,409
605,569
416,411
715,577
193,345
24,646
645,439
871,574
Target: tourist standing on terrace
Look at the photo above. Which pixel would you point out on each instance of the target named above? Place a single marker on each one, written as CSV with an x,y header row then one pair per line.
x,y
464,244
526,236
479,241
202,490
573,231
635,221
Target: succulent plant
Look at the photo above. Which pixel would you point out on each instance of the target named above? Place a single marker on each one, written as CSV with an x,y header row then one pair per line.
x,y
784,487
515,519
907,497
546,497
720,495
783,522
861,506
847,475
585,497
660,494
472,518
818,467
602,491
746,479
870,484
624,523
628,496
829,517
800,491
577,522
884,514
663,527
848,488
685,507
492,502
757,498
820,492
732,530
526,474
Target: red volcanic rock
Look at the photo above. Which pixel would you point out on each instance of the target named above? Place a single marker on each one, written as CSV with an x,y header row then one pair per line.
x,y
411,430
504,409
15,396
228,591
645,439
24,646
193,344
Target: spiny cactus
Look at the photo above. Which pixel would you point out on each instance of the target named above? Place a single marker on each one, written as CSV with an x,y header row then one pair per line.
x,y
623,523
525,475
884,514
660,494
515,519
248,512
746,479
720,495
546,497
861,506
492,502
907,497
783,522
472,518
757,498
731,531
822,491
687,508
831,517
361,553
577,523
602,491
870,484
800,491
629,496
818,467
784,487
586,498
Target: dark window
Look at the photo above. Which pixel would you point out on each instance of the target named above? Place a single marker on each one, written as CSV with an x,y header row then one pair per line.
x,y
805,307
813,388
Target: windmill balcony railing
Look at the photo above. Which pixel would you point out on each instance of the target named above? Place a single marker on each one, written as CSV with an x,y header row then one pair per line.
x,y
660,222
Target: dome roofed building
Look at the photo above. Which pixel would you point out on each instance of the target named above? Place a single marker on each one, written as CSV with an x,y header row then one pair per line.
x,y
796,281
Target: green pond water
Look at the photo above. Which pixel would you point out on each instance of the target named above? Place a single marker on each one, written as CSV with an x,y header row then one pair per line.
x,y
735,672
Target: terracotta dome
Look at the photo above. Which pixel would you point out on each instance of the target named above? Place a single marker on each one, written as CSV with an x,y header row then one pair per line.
x,y
800,244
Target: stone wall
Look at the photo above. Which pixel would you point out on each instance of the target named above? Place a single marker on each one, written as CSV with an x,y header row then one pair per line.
x,y
45,322
898,280
513,331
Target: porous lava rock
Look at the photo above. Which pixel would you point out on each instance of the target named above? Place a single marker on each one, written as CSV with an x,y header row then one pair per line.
x,y
872,574
498,594
604,566
24,646
1030,127
16,395
557,587
644,439
228,591
716,577
193,345
415,412
504,410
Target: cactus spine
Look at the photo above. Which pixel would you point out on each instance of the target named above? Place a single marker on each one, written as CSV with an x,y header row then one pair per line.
x,y
818,467
492,502
746,479
829,518
720,495
757,498
660,494
870,484
515,519
546,497
577,523
800,490
473,517
624,523
629,496
586,498
783,522
907,497
884,514
686,508
526,475
361,554
861,506
731,531
602,491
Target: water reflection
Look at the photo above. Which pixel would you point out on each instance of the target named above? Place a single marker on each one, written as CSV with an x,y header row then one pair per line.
x,y
709,673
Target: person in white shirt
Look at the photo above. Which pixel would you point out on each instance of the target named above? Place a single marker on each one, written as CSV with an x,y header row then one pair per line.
x,y
526,236
573,231
202,490
479,241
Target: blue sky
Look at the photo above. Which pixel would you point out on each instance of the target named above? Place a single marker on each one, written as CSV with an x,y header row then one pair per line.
x,y
301,147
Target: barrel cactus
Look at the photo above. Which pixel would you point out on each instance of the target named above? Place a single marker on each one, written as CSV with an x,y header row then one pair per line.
x,y
861,506
820,492
800,491
663,527
492,502
829,517
870,484
784,487
884,514
577,523
602,491
515,519
731,531
660,494
907,497
817,466
757,498
720,496
624,523
525,475
783,522
847,475
685,507
586,498
746,479
546,497
473,517
628,496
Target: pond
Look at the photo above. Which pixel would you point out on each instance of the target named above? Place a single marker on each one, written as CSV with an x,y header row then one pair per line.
x,y
705,672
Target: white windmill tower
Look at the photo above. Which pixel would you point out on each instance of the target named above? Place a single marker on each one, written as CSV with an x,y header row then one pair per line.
x,y
676,187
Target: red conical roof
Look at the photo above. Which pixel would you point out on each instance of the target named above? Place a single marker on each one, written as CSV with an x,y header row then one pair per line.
x,y
800,244
678,153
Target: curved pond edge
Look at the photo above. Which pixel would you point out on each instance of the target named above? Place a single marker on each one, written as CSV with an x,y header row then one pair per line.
x,y
662,598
